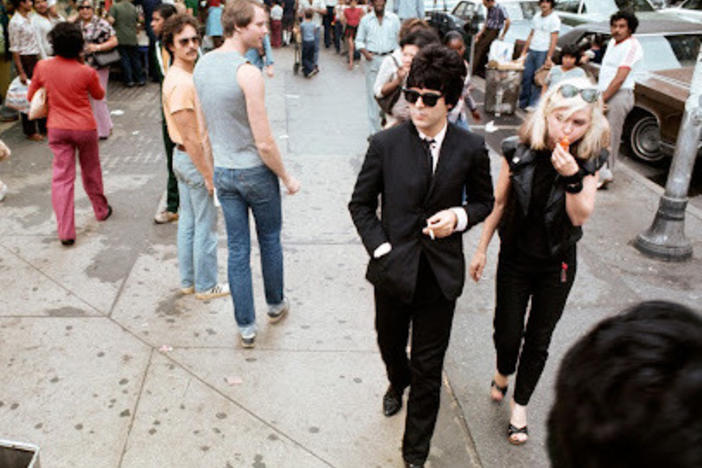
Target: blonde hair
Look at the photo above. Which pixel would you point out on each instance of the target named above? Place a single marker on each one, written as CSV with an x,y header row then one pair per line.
x,y
534,130
238,13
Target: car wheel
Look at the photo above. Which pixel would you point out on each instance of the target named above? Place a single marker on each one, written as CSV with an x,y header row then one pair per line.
x,y
644,140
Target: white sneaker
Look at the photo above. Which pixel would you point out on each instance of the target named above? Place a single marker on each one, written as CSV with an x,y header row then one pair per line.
x,y
3,191
218,290
277,312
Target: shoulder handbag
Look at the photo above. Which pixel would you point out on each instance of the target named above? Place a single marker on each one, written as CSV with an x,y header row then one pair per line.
x,y
540,76
386,103
104,59
37,107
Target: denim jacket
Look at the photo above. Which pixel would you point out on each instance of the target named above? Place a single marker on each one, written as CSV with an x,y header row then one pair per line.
x,y
561,234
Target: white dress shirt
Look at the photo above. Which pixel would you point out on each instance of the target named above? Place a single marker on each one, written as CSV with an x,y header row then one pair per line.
x,y
435,149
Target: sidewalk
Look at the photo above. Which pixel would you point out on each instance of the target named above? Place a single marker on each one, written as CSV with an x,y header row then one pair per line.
x,y
105,365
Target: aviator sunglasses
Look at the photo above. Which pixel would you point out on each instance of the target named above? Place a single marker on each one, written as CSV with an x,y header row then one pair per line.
x,y
429,99
589,95
184,41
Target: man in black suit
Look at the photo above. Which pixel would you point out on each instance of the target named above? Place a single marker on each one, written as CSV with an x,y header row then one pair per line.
x,y
420,169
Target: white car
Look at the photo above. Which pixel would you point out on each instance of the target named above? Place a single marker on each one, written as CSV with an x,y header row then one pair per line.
x,y
690,10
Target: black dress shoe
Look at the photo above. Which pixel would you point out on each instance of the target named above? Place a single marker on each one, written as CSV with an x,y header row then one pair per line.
x,y
414,465
392,401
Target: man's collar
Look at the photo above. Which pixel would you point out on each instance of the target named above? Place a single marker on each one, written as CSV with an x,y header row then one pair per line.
x,y
438,138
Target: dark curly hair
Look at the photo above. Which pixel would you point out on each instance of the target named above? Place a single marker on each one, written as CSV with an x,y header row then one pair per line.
x,y
628,393
439,68
631,20
174,25
67,40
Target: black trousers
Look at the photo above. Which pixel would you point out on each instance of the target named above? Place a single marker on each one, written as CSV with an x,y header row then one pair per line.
x,y
30,127
430,315
172,200
547,284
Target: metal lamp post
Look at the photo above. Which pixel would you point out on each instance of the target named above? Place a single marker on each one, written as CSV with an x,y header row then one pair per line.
x,y
665,238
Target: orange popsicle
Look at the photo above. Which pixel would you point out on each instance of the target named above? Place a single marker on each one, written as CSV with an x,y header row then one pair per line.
x,y
565,143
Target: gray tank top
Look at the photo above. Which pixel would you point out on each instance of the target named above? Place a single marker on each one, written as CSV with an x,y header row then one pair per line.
x,y
224,106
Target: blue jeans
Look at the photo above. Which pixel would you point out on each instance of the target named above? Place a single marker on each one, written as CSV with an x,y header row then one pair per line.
x,y
197,226
238,191
530,93
308,57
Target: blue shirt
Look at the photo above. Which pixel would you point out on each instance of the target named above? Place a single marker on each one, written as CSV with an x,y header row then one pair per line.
x,y
308,29
409,9
255,58
378,37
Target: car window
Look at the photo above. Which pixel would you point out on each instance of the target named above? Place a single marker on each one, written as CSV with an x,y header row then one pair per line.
x,y
529,9
570,6
461,10
636,5
604,7
663,53
693,5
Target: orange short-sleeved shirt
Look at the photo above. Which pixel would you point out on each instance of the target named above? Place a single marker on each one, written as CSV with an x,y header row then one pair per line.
x,y
178,95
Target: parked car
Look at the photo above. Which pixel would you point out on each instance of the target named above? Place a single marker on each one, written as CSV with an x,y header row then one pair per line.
x,y
439,5
468,17
662,84
576,12
690,10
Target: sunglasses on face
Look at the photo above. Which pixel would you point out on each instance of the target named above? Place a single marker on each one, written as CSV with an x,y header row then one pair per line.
x,y
429,99
85,7
589,95
184,42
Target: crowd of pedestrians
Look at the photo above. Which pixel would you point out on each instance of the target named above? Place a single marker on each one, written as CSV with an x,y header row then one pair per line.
x,y
427,170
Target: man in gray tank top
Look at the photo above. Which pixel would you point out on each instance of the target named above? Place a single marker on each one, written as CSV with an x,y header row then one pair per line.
x,y
247,161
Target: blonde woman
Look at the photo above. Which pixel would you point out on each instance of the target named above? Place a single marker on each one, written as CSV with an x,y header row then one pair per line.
x,y
545,193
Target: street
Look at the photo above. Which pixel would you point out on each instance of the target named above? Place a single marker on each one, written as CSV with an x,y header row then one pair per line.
x,y
105,365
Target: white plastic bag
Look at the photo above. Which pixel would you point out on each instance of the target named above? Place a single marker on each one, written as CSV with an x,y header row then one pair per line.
x,y
16,97
501,51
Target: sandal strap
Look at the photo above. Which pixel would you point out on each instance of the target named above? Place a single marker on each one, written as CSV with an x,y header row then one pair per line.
x,y
502,390
511,430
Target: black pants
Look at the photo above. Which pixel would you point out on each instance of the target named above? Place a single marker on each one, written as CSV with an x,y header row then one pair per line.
x,y
430,315
130,59
30,127
327,22
518,280
172,199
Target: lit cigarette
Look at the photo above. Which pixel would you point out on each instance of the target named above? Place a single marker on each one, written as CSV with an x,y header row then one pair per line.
x,y
431,232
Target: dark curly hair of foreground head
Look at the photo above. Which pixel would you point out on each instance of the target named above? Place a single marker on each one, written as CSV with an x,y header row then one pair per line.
x,y
66,40
629,393
439,68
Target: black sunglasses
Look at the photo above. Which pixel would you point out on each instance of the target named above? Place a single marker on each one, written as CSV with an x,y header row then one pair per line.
x,y
183,42
85,7
588,94
429,99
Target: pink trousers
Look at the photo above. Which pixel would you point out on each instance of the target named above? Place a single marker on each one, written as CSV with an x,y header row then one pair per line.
x,y
63,144
100,110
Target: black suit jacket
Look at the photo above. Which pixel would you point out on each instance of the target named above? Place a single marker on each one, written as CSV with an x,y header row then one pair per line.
x,y
396,168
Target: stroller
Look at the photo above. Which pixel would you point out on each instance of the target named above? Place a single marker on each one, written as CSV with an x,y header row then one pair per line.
x,y
296,40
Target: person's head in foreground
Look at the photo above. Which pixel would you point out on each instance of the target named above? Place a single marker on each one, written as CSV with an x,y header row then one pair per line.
x,y
629,393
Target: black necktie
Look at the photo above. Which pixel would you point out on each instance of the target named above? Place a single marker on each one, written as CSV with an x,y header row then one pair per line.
x,y
428,146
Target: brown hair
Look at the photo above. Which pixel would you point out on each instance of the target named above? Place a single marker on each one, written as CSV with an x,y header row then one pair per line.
x,y
238,13
174,25
411,25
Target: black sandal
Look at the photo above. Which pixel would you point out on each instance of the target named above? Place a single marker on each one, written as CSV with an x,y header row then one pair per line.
x,y
502,390
512,430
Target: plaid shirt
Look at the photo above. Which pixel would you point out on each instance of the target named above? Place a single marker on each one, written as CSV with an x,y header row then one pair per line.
x,y
496,17
96,31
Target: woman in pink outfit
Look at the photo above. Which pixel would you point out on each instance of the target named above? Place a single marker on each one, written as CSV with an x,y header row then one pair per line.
x,y
69,86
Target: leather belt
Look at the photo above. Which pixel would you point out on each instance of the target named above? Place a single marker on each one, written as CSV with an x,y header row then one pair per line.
x,y
380,54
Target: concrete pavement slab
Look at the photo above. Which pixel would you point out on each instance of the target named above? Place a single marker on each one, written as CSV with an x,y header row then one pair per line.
x,y
70,385
30,291
184,421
